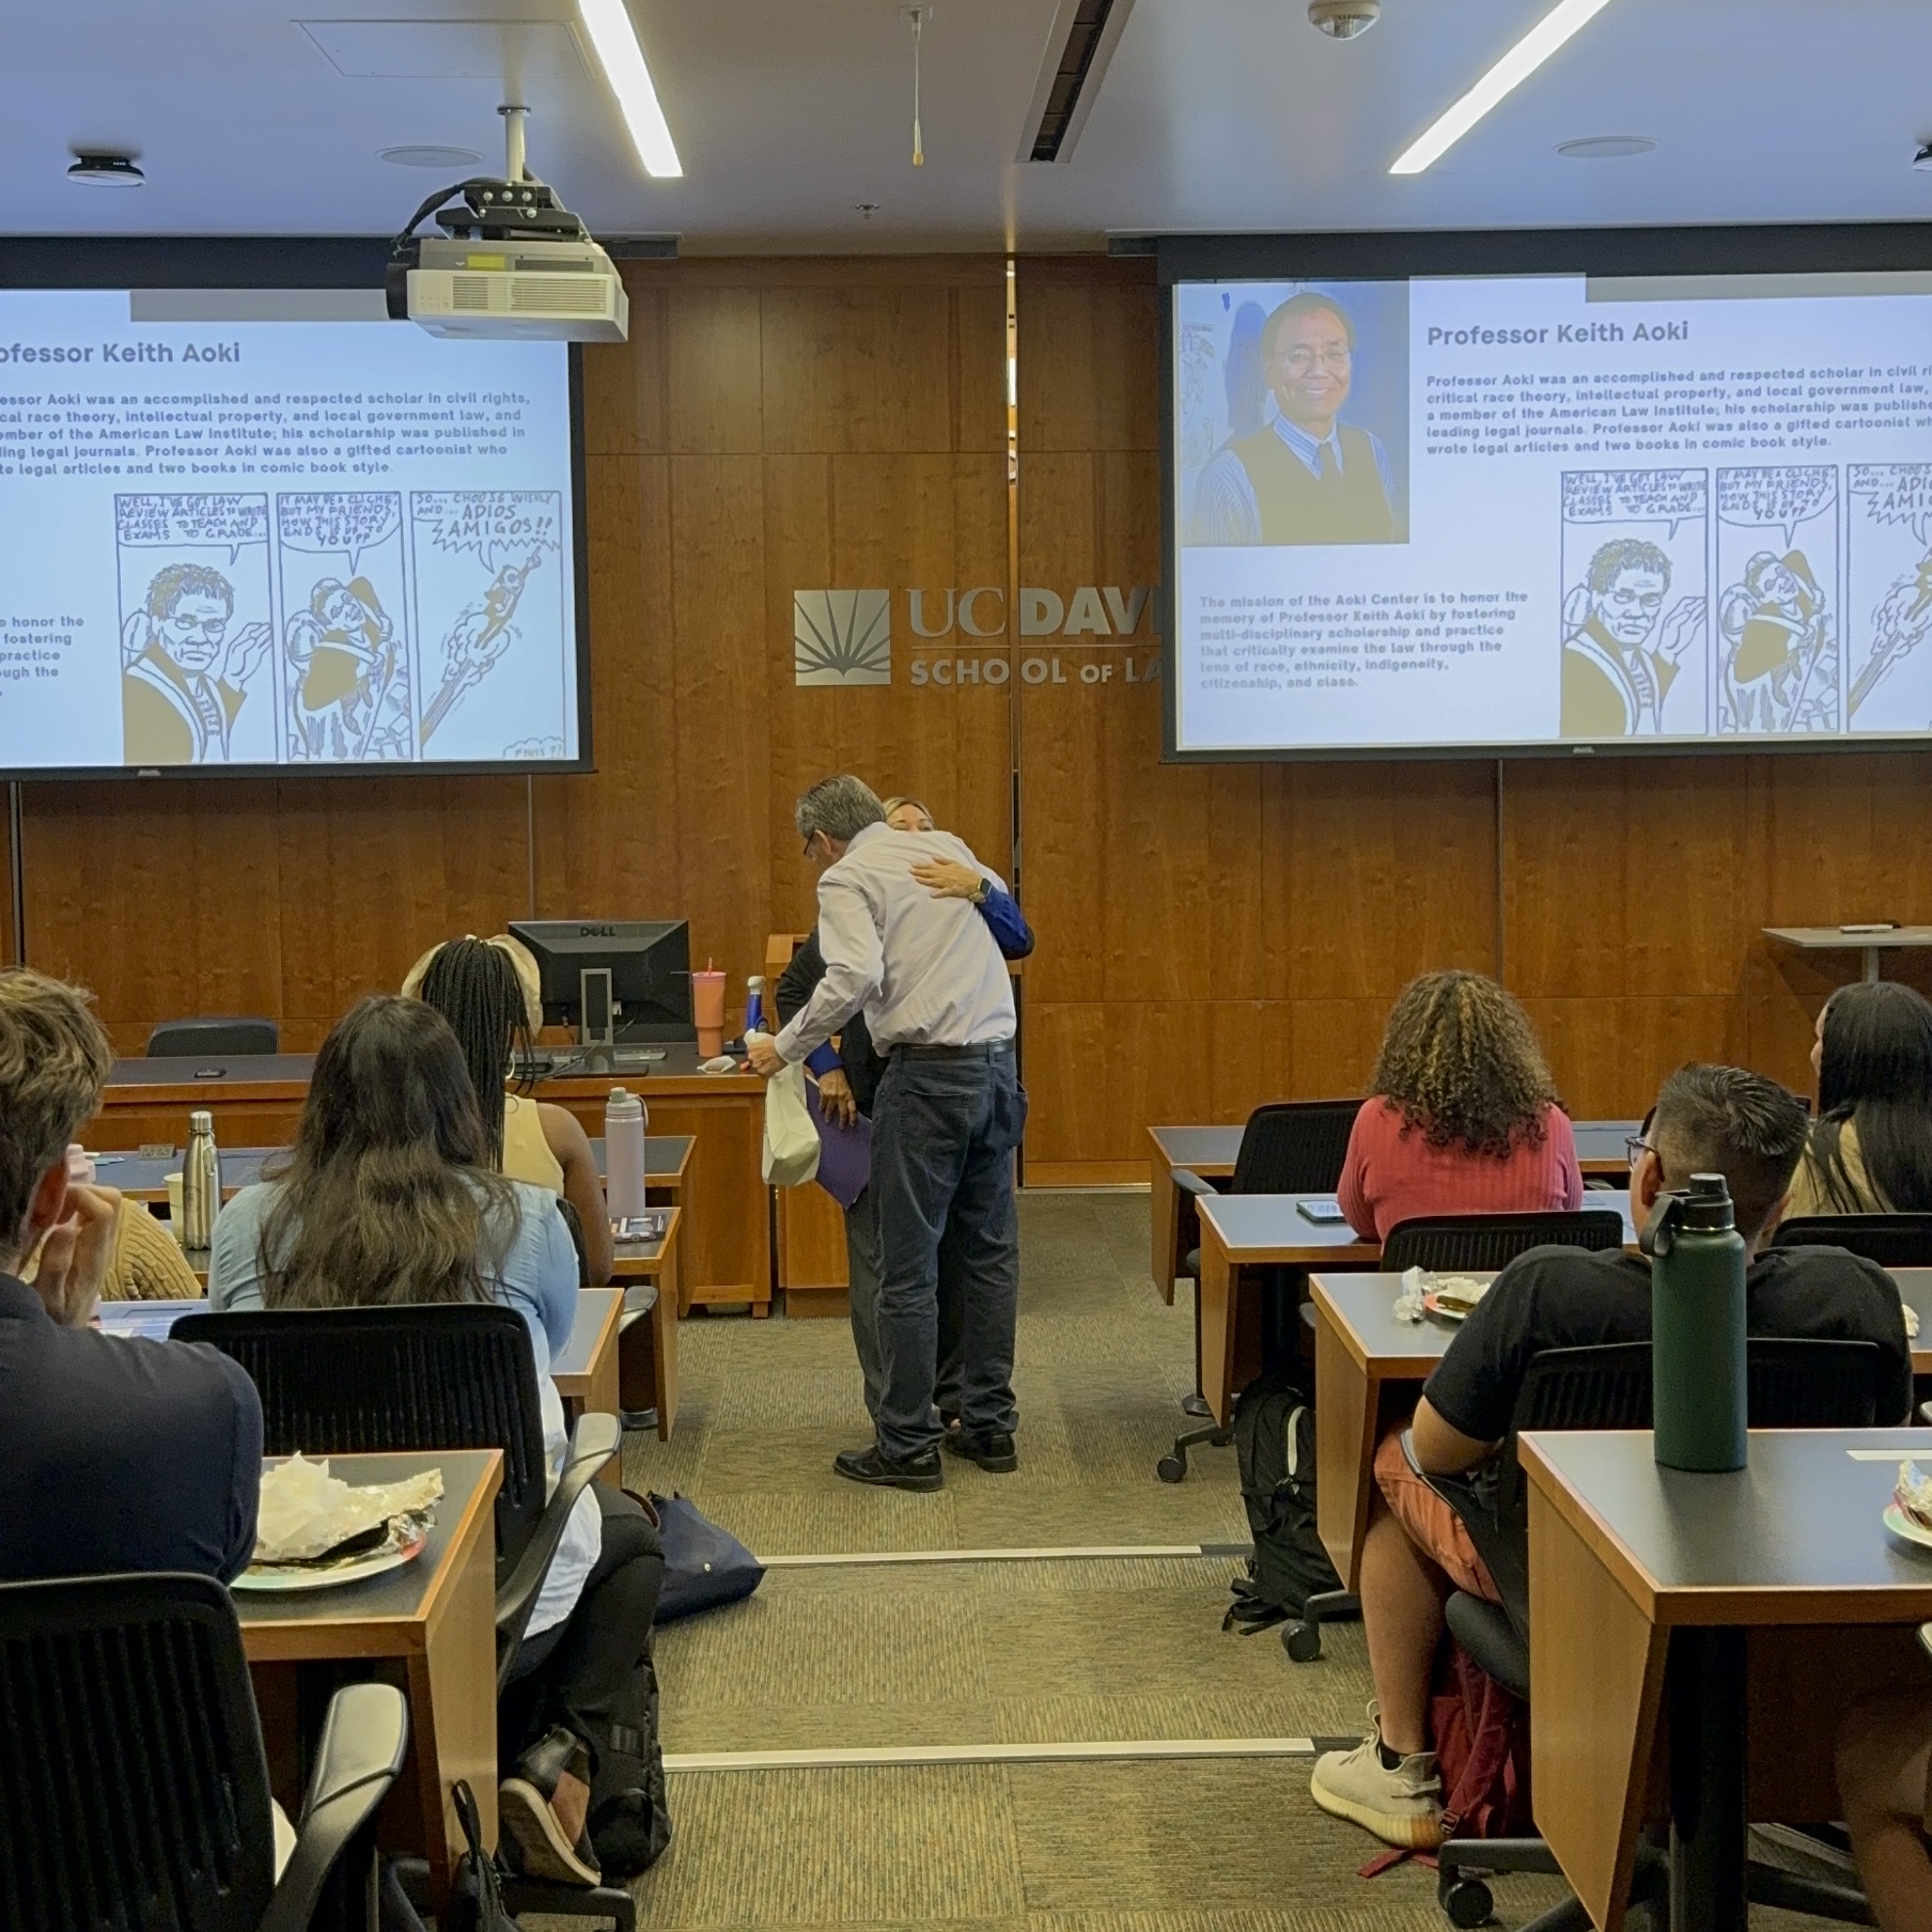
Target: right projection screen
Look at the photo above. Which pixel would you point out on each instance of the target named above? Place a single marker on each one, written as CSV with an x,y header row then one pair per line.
x,y
1533,512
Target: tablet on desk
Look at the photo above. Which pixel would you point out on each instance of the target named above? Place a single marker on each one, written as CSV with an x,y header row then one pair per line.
x,y
1324,1214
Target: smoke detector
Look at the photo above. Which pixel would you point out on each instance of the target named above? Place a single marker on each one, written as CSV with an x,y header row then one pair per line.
x,y
1344,20
105,171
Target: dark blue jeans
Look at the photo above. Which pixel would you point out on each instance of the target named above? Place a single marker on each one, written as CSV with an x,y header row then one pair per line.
x,y
944,1131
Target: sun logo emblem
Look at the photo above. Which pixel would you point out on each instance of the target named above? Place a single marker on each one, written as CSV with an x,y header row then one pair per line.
x,y
841,636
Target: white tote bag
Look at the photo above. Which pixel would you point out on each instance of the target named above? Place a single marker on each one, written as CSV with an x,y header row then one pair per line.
x,y
791,1137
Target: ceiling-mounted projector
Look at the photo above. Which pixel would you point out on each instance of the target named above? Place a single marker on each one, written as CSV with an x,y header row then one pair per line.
x,y
513,262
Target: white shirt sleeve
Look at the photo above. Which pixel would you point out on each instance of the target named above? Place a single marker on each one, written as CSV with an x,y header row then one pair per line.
x,y
855,967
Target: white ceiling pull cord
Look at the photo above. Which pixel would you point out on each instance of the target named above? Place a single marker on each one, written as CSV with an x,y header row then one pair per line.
x,y
918,17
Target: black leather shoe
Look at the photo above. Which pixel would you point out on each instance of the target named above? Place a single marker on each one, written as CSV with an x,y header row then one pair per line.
x,y
993,1449
873,1464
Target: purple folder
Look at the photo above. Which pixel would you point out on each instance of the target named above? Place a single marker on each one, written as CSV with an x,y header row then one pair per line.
x,y
845,1154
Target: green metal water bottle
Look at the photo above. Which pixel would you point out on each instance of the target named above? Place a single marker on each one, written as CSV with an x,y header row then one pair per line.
x,y
1697,1319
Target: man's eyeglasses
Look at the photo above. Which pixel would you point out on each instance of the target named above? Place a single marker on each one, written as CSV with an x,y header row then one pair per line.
x,y
1636,1146
1300,361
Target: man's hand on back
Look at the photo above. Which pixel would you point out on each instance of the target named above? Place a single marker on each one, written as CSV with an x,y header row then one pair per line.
x,y
764,1058
74,1256
835,1098
947,879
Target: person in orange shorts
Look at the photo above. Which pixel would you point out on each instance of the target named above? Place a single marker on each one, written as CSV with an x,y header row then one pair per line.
x,y
1708,1121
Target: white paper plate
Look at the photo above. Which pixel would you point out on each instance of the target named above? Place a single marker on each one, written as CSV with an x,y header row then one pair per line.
x,y
1902,1525
282,1581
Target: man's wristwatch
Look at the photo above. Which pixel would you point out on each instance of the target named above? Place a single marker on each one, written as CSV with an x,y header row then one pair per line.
x,y
982,890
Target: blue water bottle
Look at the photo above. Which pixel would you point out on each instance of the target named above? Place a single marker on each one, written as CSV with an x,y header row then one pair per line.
x,y
754,1005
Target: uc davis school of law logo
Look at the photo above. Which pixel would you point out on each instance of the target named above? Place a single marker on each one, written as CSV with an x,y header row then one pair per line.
x,y
841,636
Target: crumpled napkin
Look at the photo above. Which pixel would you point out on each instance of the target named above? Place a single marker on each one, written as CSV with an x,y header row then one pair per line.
x,y
1914,1495
1911,1321
304,1512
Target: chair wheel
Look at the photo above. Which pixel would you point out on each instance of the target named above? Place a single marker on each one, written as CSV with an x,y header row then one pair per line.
x,y
1303,1642
1467,1901
1172,1469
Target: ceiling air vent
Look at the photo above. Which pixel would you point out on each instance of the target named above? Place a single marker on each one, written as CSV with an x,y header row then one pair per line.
x,y
1082,42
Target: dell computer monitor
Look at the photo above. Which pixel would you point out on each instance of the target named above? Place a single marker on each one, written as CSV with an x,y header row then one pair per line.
x,y
647,995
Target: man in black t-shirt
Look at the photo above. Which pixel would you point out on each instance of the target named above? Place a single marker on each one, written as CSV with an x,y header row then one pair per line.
x,y
1708,1121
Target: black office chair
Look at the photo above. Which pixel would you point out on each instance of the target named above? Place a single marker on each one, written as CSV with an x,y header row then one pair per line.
x,y
193,1039
1892,1240
1287,1148
339,1380
573,1222
1794,1384
1479,1243
132,1775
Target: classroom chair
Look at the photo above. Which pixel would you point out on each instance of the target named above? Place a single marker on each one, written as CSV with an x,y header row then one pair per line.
x,y
339,1380
1794,1384
1480,1243
1892,1240
1287,1148
192,1040
131,1771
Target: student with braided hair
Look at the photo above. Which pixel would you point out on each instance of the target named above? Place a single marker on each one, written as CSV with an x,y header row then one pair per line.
x,y
487,989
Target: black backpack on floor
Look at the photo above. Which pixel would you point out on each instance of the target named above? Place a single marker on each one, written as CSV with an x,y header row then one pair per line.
x,y
1274,1440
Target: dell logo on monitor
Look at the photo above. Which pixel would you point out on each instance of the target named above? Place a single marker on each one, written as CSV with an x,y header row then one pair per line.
x,y
596,932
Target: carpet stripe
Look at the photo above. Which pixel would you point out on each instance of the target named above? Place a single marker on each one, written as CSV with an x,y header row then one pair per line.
x,y
988,1753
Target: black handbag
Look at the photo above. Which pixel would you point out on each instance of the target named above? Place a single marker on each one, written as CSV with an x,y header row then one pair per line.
x,y
705,1565
476,1896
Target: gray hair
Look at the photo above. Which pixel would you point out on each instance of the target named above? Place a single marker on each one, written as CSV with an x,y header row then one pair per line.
x,y
840,807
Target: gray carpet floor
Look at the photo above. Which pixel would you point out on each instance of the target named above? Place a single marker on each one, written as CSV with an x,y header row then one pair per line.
x,y
998,1652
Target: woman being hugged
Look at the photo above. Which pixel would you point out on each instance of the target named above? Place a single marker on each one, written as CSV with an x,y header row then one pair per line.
x,y
1465,1117
1871,1148
390,1196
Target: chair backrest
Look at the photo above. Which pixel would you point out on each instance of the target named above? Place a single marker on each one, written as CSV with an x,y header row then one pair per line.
x,y
1892,1240
339,1380
1294,1148
180,1039
1481,1242
132,1775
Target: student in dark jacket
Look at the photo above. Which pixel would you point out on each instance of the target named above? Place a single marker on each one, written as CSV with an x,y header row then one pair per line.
x,y
115,1454
848,1074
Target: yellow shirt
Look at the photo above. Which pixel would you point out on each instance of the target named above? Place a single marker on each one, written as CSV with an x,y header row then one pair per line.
x,y
527,1155
1809,1194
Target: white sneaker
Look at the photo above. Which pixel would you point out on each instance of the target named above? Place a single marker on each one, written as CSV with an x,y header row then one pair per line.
x,y
1401,1807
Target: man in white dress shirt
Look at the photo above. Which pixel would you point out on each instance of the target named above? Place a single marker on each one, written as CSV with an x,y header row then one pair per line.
x,y
949,1111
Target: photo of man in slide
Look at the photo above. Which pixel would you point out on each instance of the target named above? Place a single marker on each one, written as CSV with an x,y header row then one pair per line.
x,y
182,678
1306,476
1614,679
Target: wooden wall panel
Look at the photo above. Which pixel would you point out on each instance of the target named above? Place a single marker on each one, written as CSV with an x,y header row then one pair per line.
x,y
1210,937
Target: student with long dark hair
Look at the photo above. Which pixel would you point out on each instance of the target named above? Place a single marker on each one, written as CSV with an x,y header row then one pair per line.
x,y
487,990
390,1195
1871,1148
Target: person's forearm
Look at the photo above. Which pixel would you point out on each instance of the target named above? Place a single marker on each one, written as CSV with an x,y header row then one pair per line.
x,y
845,988
1007,923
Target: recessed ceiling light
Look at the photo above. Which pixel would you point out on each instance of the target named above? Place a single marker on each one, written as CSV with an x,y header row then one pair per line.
x,y
444,158
614,35
105,171
1606,147
1565,19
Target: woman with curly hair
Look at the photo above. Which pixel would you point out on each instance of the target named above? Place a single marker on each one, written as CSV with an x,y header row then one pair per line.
x,y
1465,1117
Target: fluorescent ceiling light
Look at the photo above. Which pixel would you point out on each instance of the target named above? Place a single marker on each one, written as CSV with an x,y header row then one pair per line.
x,y
1549,33
608,24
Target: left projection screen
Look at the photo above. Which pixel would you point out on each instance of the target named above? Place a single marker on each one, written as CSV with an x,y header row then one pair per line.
x,y
267,530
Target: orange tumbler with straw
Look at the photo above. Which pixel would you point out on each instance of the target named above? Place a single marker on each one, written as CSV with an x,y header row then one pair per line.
x,y
707,1006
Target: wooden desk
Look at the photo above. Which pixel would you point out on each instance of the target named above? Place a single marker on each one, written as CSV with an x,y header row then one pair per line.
x,y
1210,1151
431,1626
145,1178
1369,1371
256,1101
1868,946
586,1371
1734,1592
647,1352
1241,1231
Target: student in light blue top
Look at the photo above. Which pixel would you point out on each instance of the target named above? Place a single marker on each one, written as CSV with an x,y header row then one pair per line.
x,y
389,1196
